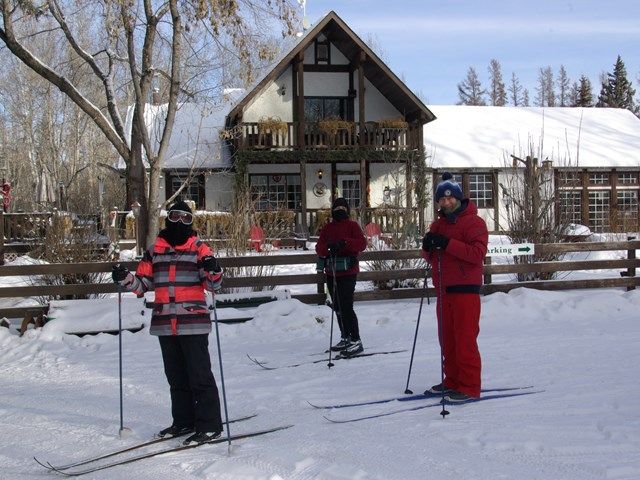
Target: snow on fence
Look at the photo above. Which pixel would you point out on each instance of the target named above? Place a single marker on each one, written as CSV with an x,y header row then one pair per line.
x,y
620,272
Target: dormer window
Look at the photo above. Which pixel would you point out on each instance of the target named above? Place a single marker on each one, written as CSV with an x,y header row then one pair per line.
x,y
322,52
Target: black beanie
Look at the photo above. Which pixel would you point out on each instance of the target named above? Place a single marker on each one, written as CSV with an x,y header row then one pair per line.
x,y
338,215
340,202
180,205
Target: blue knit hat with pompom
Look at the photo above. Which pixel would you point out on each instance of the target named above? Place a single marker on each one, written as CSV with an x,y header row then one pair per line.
x,y
448,188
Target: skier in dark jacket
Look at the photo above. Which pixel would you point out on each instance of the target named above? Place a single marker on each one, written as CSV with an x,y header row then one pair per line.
x,y
456,245
179,267
339,244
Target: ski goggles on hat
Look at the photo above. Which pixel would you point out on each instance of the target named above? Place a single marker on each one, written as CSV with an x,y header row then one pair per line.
x,y
180,216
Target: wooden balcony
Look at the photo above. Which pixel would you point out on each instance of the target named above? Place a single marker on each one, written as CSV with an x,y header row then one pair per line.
x,y
250,136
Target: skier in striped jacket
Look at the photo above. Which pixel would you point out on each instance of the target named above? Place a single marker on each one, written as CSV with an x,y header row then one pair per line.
x,y
179,267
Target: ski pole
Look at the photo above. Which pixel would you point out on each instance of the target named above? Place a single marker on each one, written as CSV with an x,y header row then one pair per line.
x,y
415,337
123,432
440,305
224,392
333,307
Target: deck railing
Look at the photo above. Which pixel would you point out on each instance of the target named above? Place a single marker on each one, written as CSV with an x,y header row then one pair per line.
x,y
252,136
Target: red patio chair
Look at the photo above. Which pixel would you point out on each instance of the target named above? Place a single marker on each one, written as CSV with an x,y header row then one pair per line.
x,y
256,235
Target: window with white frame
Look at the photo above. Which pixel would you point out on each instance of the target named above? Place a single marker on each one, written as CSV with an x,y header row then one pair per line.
x,y
599,178
350,189
481,189
628,178
276,191
570,206
599,210
627,218
193,190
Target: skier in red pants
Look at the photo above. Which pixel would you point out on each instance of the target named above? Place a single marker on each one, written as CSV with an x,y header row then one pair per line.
x,y
455,246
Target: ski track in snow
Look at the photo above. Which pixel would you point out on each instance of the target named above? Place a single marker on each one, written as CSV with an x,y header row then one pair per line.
x,y
59,397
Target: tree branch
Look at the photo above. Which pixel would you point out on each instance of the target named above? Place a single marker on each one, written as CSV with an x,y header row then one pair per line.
x,y
46,72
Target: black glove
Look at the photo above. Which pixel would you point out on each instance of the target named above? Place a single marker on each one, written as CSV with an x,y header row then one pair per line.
x,y
119,273
434,241
335,247
210,264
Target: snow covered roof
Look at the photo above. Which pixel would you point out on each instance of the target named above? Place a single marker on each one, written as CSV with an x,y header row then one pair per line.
x,y
195,140
484,137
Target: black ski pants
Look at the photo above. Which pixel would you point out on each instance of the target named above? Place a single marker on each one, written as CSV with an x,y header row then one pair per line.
x,y
194,394
343,303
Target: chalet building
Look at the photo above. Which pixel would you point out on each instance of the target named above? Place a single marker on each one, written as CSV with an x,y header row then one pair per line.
x,y
591,157
330,119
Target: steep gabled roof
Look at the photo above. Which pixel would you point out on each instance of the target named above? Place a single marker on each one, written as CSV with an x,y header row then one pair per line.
x,y
349,44
485,137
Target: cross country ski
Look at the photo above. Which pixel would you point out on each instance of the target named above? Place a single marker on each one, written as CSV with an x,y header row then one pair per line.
x,y
421,396
265,365
124,450
180,448
429,405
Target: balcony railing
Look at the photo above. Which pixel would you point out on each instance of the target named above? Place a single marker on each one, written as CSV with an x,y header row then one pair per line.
x,y
252,136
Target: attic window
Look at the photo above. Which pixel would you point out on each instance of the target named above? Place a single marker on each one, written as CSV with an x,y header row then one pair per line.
x,y
322,52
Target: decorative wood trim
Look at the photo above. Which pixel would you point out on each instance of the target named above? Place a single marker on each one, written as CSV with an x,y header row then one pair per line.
x,y
299,73
326,68
585,197
361,94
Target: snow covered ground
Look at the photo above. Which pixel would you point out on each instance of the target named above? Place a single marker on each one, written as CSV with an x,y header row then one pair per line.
x,y
59,396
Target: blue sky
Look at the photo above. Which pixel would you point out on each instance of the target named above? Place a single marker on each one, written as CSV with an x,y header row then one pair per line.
x,y
432,43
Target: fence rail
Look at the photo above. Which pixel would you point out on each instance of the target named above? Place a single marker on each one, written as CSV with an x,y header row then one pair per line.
x,y
627,278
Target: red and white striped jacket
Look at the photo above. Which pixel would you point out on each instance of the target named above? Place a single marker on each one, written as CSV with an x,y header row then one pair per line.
x,y
176,275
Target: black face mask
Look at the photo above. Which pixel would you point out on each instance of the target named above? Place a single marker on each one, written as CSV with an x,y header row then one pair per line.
x,y
176,233
339,214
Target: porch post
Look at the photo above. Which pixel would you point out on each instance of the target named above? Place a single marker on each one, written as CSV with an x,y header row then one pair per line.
x,y
364,196
298,113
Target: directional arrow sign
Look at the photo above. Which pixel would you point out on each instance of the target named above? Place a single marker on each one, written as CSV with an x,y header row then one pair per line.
x,y
498,250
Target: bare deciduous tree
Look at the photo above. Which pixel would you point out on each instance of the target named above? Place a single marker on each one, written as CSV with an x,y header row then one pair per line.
x,y
132,44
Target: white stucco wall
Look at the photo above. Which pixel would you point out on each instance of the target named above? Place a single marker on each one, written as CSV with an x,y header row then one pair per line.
x,y
318,201
391,175
270,103
376,106
326,84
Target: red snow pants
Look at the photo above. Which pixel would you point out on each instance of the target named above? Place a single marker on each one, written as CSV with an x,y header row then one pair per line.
x,y
458,331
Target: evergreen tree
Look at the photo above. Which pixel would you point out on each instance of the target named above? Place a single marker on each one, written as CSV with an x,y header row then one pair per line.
x,y
564,90
525,98
470,89
584,93
573,94
497,94
545,96
616,91
515,90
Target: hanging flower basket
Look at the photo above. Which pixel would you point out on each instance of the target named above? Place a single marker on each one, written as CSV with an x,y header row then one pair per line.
x,y
272,125
331,126
396,123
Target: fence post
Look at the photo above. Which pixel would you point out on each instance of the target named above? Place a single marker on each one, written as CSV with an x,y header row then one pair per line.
x,y
1,237
487,276
631,255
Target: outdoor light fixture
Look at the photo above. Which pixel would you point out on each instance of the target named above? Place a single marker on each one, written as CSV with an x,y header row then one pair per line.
x,y
386,193
320,173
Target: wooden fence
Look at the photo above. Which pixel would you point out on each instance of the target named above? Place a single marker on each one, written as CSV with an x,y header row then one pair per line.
x,y
627,278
